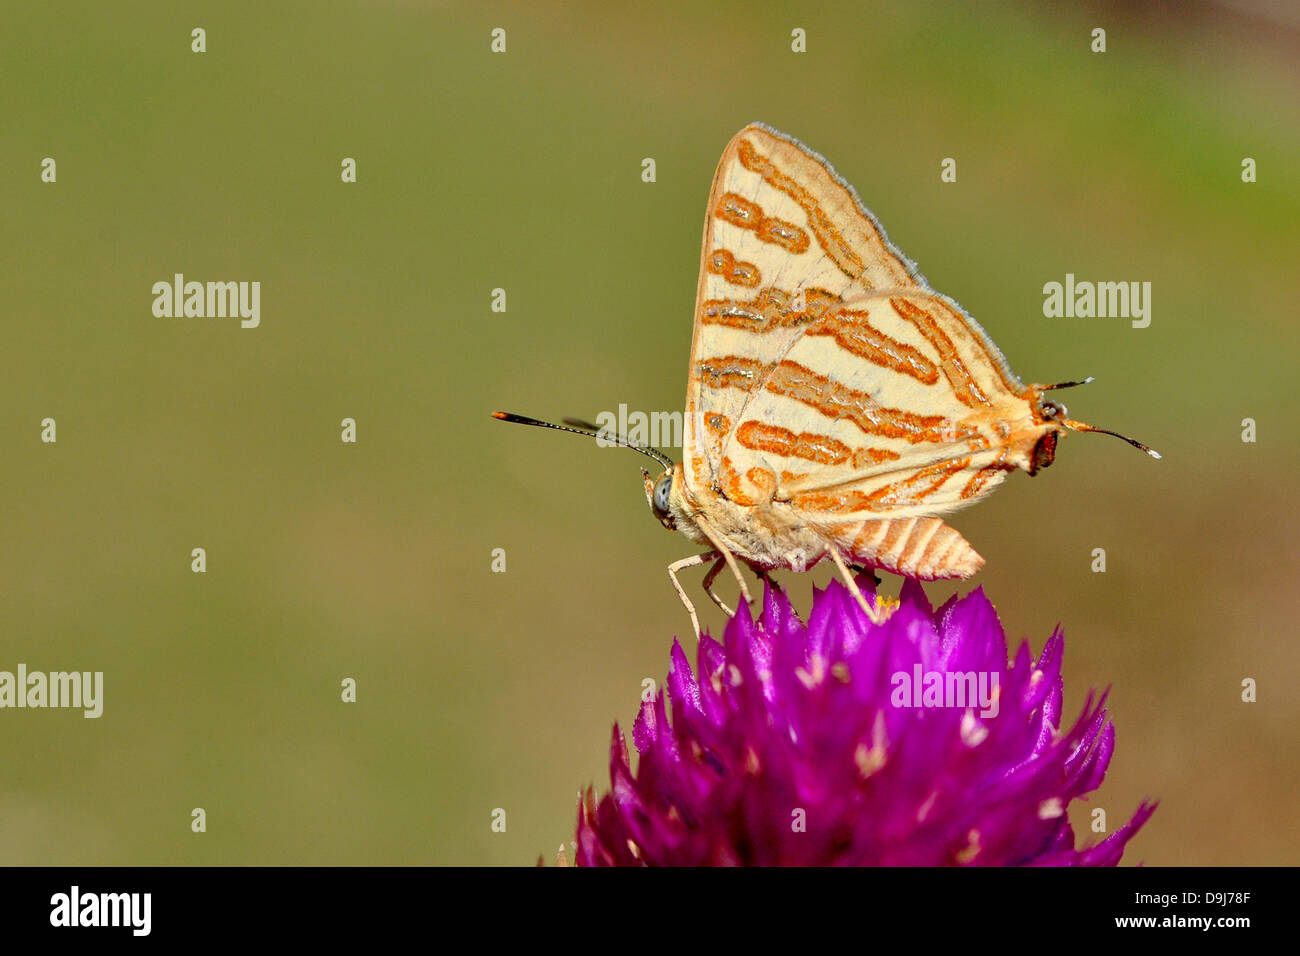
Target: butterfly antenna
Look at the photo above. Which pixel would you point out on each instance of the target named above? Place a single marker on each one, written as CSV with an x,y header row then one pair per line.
x,y
1081,427
578,427
1087,381
579,423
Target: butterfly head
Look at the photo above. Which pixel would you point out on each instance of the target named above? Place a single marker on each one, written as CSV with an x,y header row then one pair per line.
x,y
1053,419
661,493
1053,416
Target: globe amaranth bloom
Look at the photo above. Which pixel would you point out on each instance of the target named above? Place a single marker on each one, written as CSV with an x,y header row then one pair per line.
x,y
912,742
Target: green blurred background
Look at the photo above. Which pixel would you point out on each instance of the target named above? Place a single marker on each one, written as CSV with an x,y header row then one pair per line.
x,y
476,171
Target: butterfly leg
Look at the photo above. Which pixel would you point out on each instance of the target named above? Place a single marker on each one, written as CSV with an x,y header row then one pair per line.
x,y
853,586
681,591
765,576
708,586
726,553
861,569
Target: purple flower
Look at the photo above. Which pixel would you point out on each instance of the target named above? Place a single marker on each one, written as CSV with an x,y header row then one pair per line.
x,y
910,743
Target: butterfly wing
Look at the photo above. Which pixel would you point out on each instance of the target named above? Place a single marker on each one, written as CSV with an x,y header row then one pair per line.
x,y
779,221
915,401
826,374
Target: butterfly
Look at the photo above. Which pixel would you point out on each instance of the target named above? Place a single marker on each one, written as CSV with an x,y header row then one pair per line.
x,y
836,404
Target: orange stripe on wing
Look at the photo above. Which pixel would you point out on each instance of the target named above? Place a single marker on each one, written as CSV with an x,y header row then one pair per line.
x,y
809,446
784,234
833,243
724,263
833,399
865,457
838,401
975,487
853,333
907,492
729,371
744,214
770,309
739,211
964,386
755,487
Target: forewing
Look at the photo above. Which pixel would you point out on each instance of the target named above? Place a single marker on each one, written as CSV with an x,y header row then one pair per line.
x,y
782,231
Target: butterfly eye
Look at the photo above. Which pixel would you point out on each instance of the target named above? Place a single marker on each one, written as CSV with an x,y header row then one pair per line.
x,y
659,500
1053,411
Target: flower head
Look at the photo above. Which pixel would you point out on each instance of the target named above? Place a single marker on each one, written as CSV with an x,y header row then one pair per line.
x,y
911,742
